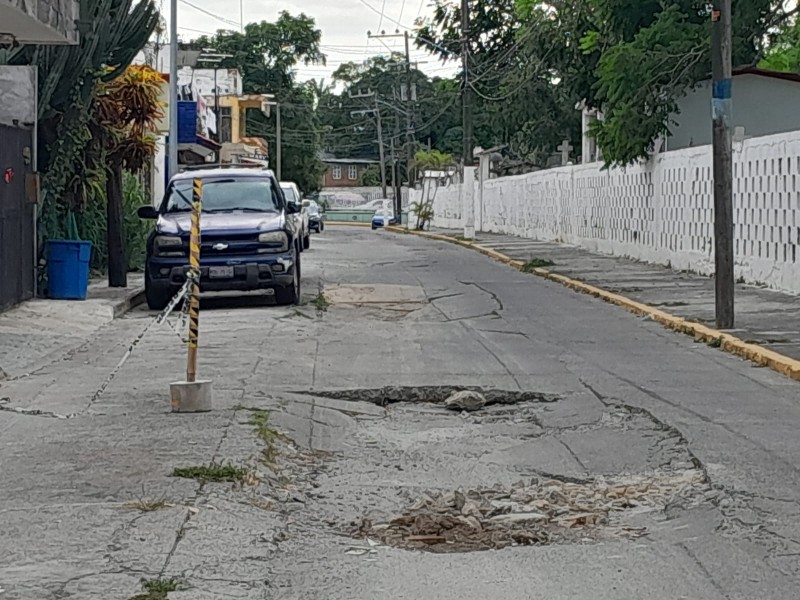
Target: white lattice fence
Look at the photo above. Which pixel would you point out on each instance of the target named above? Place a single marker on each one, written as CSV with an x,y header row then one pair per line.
x,y
660,212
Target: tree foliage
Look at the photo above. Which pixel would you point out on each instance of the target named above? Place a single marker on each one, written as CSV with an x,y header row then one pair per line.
x,y
635,58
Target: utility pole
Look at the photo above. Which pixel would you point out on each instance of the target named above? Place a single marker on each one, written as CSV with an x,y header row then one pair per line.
x,y
721,110
377,112
173,89
409,121
409,112
380,146
468,180
466,94
278,140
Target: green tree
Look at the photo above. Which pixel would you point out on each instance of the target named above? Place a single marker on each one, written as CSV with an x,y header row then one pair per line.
x,y
635,58
71,158
512,92
784,54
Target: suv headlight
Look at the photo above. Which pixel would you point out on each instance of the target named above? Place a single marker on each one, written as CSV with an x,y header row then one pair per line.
x,y
168,245
278,241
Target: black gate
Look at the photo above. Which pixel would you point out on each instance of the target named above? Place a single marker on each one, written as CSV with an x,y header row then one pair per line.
x,y
16,218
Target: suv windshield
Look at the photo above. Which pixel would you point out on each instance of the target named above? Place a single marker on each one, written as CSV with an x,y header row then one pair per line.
x,y
248,194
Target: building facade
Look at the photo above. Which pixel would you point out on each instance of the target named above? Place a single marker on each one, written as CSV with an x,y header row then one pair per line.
x,y
344,172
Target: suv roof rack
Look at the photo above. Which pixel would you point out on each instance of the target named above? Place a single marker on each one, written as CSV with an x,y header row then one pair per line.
x,y
184,169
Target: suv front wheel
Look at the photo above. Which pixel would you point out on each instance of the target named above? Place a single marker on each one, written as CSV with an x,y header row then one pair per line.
x,y
290,294
157,297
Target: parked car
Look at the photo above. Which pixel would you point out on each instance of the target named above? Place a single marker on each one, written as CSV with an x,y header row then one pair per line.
x,y
383,217
293,196
315,212
250,239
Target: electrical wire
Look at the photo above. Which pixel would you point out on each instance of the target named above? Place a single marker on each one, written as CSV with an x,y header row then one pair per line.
x,y
210,14
384,16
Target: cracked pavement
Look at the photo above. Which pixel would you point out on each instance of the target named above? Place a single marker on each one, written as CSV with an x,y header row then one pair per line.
x,y
585,392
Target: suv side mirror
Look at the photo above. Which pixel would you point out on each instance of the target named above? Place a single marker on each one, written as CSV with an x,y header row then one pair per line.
x,y
147,212
306,203
292,208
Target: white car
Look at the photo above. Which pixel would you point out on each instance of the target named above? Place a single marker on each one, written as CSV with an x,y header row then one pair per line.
x,y
293,196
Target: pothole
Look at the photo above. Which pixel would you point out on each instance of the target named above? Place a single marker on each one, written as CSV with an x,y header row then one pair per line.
x,y
431,395
539,512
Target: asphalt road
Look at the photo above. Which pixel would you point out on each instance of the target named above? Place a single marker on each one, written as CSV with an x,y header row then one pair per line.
x,y
616,460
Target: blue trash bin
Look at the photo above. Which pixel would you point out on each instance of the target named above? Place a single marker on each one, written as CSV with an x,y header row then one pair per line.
x,y
68,269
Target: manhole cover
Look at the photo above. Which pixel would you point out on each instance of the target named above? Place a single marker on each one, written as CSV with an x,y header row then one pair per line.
x,y
537,513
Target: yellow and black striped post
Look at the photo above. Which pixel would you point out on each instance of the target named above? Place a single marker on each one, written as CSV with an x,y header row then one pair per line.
x,y
194,274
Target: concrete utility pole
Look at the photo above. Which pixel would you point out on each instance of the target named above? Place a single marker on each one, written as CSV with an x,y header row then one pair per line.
x,y
409,119
721,110
466,93
409,113
173,89
468,180
380,146
278,141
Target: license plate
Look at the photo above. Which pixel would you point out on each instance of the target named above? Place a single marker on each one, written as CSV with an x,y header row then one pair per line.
x,y
220,272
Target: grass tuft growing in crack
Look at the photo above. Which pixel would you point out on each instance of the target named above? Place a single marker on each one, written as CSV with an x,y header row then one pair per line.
x,y
157,589
537,263
321,303
267,434
213,472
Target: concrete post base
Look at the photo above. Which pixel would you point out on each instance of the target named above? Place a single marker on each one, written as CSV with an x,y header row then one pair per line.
x,y
191,397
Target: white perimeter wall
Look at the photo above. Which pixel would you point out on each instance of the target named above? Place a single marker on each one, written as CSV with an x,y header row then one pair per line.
x,y
661,212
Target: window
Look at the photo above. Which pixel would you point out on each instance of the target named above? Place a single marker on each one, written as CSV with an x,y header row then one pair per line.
x,y
337,172
352,172
246,194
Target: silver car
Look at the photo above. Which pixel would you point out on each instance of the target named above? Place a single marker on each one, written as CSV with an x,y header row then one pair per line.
x,y
294,197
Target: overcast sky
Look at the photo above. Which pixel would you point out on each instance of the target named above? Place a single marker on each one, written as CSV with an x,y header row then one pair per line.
x,y
344,25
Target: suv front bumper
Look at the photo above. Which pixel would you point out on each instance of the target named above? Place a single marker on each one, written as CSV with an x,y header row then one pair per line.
x,y
250,274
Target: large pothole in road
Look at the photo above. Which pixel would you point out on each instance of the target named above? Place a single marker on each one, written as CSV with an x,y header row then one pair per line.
x,y
432,395
539,512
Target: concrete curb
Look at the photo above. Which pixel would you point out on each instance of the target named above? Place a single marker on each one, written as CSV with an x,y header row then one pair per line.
x,y
347,224
132,299
754,353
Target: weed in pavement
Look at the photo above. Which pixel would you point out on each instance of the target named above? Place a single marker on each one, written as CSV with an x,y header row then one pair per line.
x,y
157,589
267,434
537,263
212,472
321,303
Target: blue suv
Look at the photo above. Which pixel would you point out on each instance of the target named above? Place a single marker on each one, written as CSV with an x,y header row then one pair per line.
x,y
249,237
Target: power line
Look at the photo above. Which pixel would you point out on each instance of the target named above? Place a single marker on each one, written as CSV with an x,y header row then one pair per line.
x,y
210,14
384,16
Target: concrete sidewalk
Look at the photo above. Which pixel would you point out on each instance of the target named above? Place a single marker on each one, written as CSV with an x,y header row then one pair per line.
x,y
39,332
764,317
